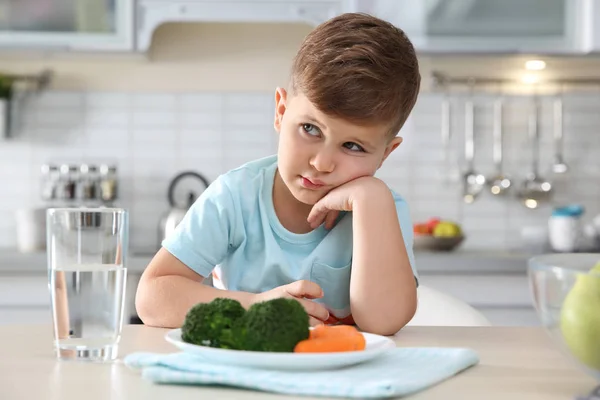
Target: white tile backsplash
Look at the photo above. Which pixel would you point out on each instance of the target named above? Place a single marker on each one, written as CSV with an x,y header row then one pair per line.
x,y
56,100
200,119
100,118
154,136
202,102
160,102
119,101
157,118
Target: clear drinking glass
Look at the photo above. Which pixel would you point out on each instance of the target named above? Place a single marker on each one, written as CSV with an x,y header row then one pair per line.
x,y
87,268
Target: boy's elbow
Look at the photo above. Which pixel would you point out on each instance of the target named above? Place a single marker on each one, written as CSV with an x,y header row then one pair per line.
x,y
145,305
389,325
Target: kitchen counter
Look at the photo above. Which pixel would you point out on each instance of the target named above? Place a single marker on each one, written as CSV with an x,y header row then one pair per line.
x,y
516,363
14,262
457,262
480,262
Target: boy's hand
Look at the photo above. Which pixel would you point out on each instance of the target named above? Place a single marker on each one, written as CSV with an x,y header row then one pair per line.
x,y
302,291
342,198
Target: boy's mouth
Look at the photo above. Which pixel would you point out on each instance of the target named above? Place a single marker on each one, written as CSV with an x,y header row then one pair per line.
x,y
311,184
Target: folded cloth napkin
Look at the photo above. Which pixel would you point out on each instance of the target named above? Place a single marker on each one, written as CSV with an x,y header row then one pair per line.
x,y
399,372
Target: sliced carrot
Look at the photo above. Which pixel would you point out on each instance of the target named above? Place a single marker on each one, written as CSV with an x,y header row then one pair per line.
x,y
323,331
332,344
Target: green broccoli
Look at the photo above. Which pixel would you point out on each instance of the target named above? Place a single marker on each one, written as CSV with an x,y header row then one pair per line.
x,y
214,324
274,325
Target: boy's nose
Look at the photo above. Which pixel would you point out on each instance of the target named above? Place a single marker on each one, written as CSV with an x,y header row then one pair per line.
x,y
323,161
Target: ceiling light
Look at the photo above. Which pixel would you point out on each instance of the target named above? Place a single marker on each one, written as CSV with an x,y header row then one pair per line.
x,y
535,65
531,203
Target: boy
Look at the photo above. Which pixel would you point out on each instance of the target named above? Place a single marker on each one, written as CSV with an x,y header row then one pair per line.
x,y
311,223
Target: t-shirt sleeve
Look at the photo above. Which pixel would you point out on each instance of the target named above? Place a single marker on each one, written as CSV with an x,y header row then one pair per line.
x,y
201,240
407,231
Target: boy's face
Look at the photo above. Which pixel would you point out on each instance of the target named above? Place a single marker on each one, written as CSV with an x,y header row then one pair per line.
x,y
318,153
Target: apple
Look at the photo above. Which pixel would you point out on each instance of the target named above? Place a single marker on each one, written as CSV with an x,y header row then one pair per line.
x,y
432,223
580,319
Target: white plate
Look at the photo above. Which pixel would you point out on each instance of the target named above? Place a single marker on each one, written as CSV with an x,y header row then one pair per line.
x,y
375,346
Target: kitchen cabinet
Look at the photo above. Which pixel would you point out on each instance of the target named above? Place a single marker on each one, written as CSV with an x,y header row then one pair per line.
x,y
25,298
492,26
153,13
434,26
494,283
24,292
67,25
128,25
503,298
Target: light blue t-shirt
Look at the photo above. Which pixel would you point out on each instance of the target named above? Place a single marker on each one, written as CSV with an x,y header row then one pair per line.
x,y
233,233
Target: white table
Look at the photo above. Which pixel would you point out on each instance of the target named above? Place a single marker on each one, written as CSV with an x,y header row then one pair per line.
x,y
516,363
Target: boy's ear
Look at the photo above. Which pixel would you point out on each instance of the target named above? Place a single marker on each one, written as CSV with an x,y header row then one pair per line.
x,y
392,145
280,106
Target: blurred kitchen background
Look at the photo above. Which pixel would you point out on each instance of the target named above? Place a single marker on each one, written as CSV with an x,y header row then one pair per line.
x,y
108,103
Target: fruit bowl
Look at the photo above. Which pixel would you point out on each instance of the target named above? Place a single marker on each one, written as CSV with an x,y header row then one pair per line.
x,y
434,243
437,235
566,294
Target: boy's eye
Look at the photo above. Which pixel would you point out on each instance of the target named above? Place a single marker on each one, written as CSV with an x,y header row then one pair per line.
x,y
311,129
353,147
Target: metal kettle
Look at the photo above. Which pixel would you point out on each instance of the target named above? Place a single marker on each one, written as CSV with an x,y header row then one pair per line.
x,y
169,221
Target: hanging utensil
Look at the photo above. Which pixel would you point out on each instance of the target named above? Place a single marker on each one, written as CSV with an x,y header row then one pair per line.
x,y
558,164
535,190
446,134
500,183
473,182
449,172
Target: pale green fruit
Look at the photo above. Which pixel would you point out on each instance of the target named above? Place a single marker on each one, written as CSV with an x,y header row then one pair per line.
x,y
446,229
580,319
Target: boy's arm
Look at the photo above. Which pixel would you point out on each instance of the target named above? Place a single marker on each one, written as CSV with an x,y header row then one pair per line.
x,y
383,296
168,289
383,291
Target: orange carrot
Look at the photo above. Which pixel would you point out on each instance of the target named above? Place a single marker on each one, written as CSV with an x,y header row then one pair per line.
x,y
323,331
332,344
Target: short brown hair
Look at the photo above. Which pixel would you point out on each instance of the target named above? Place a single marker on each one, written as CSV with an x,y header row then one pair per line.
x,y
359,68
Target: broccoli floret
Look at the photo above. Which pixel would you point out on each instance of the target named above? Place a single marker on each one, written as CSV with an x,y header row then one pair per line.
x,y
274,325
214,324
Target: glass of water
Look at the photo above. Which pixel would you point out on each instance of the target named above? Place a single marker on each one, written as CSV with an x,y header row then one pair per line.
x,y
87,259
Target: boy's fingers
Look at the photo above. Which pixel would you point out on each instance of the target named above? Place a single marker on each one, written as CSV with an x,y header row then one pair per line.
x,y
315,310
330,219
316,215
304,288
315,322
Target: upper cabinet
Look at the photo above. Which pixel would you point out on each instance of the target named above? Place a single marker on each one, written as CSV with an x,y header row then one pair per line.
x,y
153,13
434,26
494,26
63,25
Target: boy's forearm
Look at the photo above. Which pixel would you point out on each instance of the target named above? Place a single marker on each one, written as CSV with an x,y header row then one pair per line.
x,y
164,301
382,288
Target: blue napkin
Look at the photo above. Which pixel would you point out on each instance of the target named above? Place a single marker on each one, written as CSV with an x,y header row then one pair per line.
x,y
399,372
